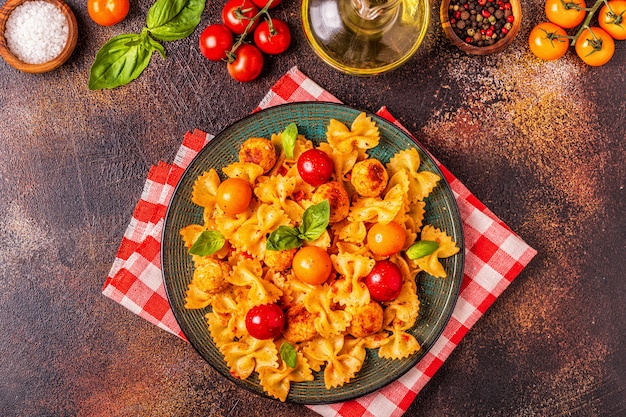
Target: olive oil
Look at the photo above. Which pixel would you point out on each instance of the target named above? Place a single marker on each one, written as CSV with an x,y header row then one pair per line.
x,y
365,37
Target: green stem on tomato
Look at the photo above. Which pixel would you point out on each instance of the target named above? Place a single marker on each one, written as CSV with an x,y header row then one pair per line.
x,y
230,55
585,25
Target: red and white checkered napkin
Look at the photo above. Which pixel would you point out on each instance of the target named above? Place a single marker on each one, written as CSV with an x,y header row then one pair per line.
x,y
494,256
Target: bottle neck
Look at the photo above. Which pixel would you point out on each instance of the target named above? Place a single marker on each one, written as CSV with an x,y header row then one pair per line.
x,y
369,17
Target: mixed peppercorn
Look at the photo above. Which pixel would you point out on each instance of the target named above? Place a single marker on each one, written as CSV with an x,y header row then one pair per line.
x,y
481,22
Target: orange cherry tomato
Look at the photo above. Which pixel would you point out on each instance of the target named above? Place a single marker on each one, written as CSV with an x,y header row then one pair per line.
x,y
108,12
312,265
595,47
565,13
548,41
612,18
385,239
234,195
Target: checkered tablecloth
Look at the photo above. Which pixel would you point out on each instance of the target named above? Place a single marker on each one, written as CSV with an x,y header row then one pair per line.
x,y
494,256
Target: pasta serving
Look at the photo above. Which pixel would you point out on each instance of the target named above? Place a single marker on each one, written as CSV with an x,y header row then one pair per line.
x,y
307,256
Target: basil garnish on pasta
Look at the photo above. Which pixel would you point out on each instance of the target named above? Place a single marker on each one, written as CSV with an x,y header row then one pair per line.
x,y
209,242
314,222
422,248
288,138
288,354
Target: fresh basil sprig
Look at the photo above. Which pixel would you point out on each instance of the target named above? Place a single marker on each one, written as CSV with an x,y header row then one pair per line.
x,y
288,354
288,138
422,248
209,242
124,57
314,222
171,20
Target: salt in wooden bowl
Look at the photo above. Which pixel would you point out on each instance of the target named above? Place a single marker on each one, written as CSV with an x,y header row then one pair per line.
x,y
50,65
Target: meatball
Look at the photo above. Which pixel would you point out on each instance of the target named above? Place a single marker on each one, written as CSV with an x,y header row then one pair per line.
x,y
280,260
300,324
211,275
369,177
366,320
337,197
258,151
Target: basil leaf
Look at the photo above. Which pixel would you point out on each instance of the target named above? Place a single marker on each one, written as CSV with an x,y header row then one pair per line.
x,y
422,248
283,238
209,242
122,59
288,139
171,20
288,354
314,221
163,11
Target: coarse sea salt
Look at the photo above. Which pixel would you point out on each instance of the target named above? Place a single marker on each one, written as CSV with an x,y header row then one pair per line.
x,y
36,32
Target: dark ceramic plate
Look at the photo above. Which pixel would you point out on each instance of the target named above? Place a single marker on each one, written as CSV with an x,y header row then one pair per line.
x,y
437,296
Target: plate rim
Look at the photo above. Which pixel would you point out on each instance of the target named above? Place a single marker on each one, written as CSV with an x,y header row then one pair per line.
x,y
454,296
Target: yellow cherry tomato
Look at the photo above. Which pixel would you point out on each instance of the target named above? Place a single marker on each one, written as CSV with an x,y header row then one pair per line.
x,y
312,265
595,47
234,195
385,239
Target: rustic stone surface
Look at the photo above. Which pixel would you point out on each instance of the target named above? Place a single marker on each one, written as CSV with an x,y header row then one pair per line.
x,y
542,144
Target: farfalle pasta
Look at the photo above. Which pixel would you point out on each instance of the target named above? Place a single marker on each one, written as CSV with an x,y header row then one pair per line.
x,y
247,259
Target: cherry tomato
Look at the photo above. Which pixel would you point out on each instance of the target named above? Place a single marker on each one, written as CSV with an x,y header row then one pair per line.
x,y
215,41
274,40
595,50
312,265
565,13
248,63
385,239
108,12
384,281
231,11
266,321
261,3
315,167
234,195
612,18
548,41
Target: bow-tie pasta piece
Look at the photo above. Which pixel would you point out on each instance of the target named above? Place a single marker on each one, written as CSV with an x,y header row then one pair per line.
x,y
205,189
447,247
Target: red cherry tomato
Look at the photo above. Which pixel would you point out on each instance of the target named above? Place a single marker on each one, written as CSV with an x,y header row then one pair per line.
x,y
266,321
261,3
315,167
230,13
248,63
274,40
234,195
215,41
384,282
108,12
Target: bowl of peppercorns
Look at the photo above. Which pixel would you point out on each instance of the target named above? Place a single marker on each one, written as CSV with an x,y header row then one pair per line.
x,y
481,27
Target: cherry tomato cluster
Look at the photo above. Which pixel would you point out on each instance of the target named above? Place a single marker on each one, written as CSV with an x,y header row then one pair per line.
x,y
228,41
594,45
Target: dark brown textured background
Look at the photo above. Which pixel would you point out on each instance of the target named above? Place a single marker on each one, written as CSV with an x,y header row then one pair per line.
x,y
541,143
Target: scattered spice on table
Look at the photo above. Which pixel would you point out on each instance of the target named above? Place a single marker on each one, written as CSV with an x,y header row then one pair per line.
x,y
481,22
36,32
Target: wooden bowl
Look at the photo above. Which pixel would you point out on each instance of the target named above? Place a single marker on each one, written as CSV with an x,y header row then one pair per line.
x,y
12,60
498,46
